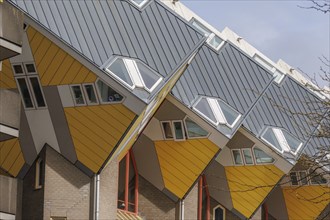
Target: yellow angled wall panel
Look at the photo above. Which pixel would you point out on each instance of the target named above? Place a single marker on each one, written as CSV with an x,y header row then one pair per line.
x,y
7,80
11,157
306,202
181,162
96,131
54,65
249,185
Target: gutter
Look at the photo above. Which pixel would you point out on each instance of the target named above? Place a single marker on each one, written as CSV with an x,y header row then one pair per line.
x,y
96,201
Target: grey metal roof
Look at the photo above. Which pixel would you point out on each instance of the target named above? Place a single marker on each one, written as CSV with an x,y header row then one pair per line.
x,y
101,29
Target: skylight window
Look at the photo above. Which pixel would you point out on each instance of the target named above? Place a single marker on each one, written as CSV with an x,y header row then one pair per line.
x,y
281,140
134,73
276,73
217,111
213,40
139,3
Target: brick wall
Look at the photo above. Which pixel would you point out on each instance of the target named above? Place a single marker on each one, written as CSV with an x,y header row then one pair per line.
x,y
67,189
109,191
153,204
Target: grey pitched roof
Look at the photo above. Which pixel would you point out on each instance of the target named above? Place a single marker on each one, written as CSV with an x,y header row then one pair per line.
x,y
101,29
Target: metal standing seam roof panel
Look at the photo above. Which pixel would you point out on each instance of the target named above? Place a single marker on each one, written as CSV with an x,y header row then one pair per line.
x,y
101,29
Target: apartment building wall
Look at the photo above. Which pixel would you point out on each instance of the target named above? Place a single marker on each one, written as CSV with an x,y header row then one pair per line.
x,y
229,215
191,204
8,194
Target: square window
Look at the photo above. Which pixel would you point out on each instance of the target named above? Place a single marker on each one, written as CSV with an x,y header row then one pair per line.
x,y
237,157
18,69
247,156
90,94
30,68
167,130
77,95
178,130
294,179
303,177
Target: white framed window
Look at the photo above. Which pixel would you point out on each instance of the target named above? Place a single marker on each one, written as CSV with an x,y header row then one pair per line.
x,y
37,92
219,213
139,3
294,179
18,69
167,130
178,130
247,155
107,94
39,175
261,157
25,92
212,39
78,95
134,73
193,129
30,68
303,178
281,140
237,157
90,94
217,111
276,73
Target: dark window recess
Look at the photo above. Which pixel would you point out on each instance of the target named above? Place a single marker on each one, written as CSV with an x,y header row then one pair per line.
x,y
78,96
37,92
91,97
30,68
18,69
218,214
25,93
41,172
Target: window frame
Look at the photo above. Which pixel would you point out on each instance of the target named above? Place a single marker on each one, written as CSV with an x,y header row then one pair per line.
x,y
183,131
33,94
143,3
252,156
171,127
255,158
202,114
14,71
38,177
297,177
29,91
73,95
187,132
86,95
223,209
98,92
233,157
26,69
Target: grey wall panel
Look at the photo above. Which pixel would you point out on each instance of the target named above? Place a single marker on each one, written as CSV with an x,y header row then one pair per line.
x,y
100,29
60,124
26,141
276,204
169,111
240,141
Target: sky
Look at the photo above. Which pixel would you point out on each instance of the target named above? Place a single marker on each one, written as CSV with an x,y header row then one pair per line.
x,y
279,29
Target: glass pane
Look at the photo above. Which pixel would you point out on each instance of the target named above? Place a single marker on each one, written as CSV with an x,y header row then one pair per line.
x,y
149,78
18,69
25,93
108,94
178,130
303,178
218,214
261,157
78,96
228,112
167,130
37,92
294,179
201,28
194,130
30,68
215,41
247,156
237,157
139,2
91,97
292,141
271,138
119,69
121,184
204,108
317,178
41,172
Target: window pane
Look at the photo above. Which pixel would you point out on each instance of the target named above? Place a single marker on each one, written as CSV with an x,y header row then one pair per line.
x,y
317,178
37,92
108,94
261,157
292,141
18,69
30,68
228,112
218,214
78,96
91,97
194,130
121,184
149,78
237,157
215,41
204,108
271,138
25,93
139,2
201,28
119,69
294,179
303,178
178,130
247,156
41,172
167,130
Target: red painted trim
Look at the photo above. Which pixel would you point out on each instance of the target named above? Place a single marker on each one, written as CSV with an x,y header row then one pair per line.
x,y
265,208
205,186
136,190
200,198
126,180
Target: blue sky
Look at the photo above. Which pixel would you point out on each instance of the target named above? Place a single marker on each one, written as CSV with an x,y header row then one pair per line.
x,y
279,29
